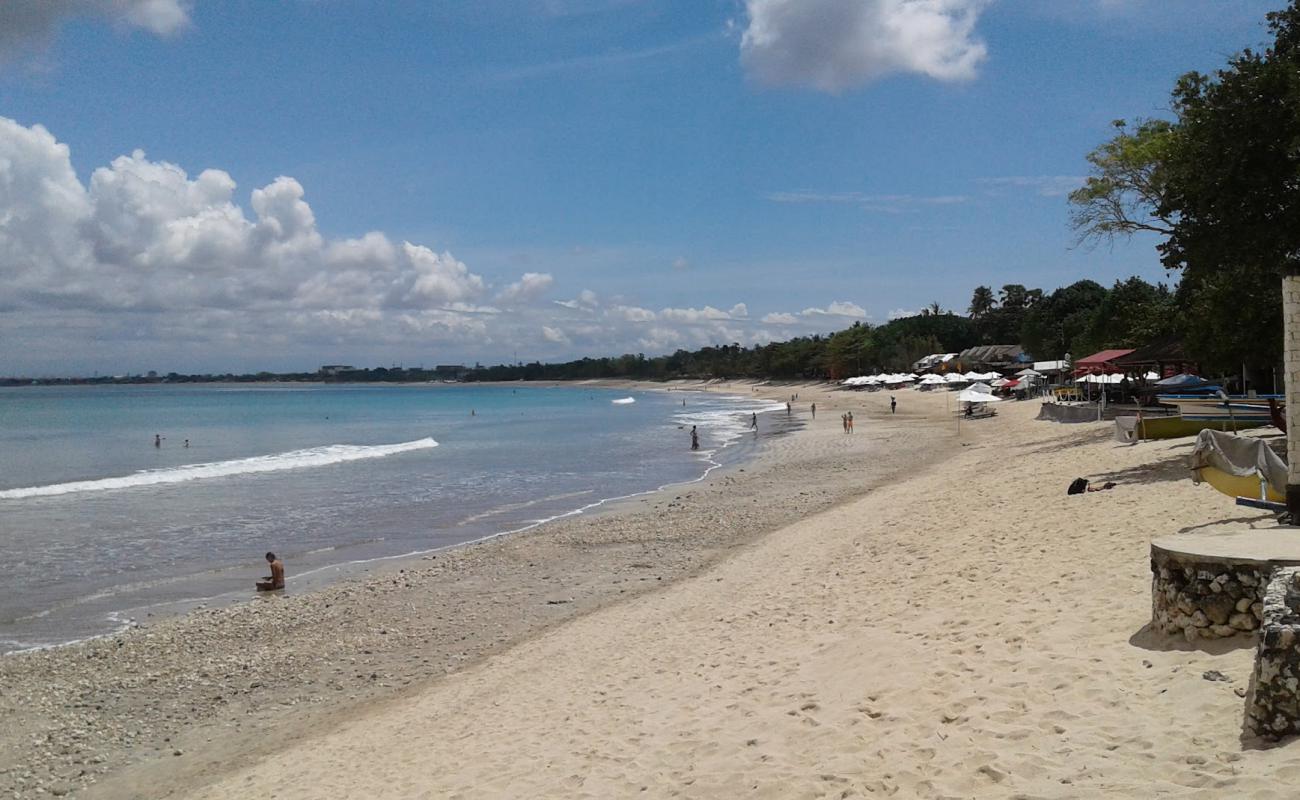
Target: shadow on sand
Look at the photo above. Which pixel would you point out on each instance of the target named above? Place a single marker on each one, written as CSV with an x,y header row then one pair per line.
x,y
1147,638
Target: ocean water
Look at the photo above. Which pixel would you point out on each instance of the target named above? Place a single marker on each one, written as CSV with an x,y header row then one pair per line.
x,y
100,527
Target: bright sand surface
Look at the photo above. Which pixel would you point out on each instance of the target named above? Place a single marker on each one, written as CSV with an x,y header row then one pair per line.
x,y
913,611
966,630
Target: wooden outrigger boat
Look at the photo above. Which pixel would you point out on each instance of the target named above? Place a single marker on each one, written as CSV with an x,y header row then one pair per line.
x,y
1176,427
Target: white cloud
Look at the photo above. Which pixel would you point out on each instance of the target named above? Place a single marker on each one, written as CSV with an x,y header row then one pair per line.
x,y
680,264
902,313
27,25
144,266
1042,185
527,289
887,203
694,315
143,235
585,301
832,45
633,313
554,335
838,308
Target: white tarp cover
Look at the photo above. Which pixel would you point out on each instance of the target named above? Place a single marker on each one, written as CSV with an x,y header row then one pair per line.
x,y
1238,455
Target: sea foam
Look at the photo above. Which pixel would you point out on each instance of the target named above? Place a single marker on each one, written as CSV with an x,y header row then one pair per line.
x,y
294,459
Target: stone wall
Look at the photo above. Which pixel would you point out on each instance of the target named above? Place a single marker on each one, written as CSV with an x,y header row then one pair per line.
x,y
1273,708
1205,599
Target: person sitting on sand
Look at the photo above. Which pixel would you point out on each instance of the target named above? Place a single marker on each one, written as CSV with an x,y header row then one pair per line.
x,y
276,579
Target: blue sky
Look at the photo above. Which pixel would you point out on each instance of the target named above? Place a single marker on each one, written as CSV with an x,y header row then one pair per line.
x,y
548,178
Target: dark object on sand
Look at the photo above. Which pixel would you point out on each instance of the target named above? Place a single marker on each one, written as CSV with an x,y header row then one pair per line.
x,y
1080,485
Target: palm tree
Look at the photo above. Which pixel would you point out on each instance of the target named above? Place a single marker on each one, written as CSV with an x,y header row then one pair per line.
x,y
934,309
982,302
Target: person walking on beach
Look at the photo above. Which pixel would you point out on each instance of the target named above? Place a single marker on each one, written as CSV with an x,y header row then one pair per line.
x,y
787,409
893,404
276,579
753,422
695,438
844,422
814,410
850,422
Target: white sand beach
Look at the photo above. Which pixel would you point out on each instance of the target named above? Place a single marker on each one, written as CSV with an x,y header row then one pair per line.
x,y
960,628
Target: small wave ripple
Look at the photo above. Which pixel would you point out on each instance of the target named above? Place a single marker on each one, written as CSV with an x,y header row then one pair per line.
x,y
294,459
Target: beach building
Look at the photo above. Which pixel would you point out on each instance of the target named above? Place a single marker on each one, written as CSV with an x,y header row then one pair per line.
x,y
1100,363
333,370
993,357
935,362
1165,358
1053,371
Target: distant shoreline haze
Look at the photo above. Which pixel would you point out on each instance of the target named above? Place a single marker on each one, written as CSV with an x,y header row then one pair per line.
x,y
1078,319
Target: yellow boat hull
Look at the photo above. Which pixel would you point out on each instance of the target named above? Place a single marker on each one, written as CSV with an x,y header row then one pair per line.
x,y
1238,486
1176,427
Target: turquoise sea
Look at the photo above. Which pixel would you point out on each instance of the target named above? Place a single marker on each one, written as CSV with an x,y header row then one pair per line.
x,y
99,527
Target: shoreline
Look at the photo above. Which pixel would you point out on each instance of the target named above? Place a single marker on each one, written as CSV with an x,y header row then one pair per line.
x,y
392,627
320,575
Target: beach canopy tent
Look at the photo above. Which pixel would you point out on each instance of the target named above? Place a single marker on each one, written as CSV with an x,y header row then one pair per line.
x,y
1102,362
1000,382
932,380
955,377
1029,373
978,393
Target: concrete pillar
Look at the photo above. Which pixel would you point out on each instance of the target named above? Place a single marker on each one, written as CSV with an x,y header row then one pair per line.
x,y
1291,363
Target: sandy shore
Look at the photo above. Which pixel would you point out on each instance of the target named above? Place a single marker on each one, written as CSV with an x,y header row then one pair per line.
x,y
909,612
965,631
110,714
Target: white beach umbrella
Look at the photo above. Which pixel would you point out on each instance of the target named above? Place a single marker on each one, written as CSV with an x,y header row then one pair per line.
x,y
972,395
954,377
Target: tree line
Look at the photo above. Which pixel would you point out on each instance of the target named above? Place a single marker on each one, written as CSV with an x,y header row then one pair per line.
x,y
1078,319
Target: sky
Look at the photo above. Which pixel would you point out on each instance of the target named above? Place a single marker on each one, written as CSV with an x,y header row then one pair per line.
x,y
244,185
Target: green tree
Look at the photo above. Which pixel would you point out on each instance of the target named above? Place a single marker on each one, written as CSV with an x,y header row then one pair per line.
x,y
1061,322
1124,194
982,301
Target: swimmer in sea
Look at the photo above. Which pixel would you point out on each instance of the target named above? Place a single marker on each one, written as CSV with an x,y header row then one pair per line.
x,y
276,579
695,439
157,440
